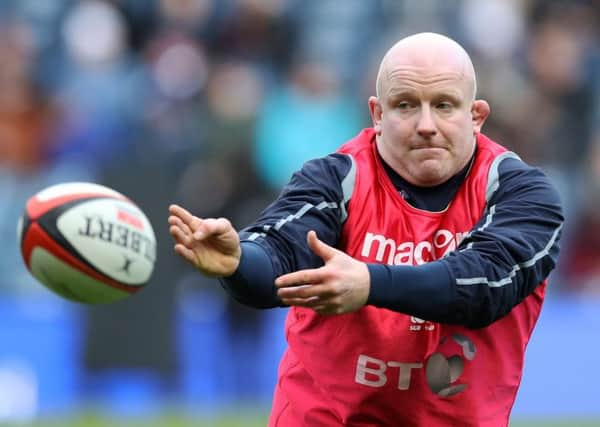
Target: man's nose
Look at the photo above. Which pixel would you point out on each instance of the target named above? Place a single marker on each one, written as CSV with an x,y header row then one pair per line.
x,y
426,126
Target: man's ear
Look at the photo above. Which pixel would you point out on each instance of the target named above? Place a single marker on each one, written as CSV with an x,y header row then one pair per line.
x,y
480,110
376,113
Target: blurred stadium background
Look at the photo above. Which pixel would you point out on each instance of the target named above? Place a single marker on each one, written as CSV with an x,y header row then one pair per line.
x,y
212,104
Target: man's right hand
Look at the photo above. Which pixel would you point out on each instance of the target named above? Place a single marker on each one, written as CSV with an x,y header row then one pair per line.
x,y
211,245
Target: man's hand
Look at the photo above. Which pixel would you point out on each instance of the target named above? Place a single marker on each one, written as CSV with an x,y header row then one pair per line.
x,y
341,286
211,245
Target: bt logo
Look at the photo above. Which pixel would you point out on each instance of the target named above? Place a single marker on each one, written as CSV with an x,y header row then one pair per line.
x,y
442,369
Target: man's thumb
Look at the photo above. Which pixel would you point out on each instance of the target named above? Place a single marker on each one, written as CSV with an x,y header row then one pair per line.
x,y
318,247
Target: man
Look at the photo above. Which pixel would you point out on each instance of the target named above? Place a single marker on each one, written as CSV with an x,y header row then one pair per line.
x,y
414,300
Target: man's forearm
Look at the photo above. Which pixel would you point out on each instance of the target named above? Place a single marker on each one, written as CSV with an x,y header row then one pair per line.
x,y
253,282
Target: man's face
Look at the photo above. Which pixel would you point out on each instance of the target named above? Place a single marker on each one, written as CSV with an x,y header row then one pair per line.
x,y
424,120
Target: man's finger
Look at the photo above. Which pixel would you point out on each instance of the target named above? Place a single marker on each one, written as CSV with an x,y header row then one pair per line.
x,y
320,248
214,226
305,291
176,221
210,227
185,253
302,302
179,236
183,214
301,277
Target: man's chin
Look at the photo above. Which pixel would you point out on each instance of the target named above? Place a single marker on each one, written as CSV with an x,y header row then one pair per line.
x,y
431,173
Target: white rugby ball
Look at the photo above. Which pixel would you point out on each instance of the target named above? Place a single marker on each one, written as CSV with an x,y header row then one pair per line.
x,y
87,242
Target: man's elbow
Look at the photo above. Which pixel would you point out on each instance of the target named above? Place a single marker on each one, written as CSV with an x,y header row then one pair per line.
x,y
481,317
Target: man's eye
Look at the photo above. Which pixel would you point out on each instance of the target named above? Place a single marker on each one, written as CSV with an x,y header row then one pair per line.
x,y
444,106
404,105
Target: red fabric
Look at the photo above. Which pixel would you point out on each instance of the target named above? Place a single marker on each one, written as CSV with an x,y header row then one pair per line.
x,y
321,381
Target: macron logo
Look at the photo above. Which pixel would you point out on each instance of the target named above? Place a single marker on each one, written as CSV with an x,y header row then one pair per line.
x,y
385,250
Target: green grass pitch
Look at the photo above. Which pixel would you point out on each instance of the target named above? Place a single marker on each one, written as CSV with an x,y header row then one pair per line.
x,y
239,419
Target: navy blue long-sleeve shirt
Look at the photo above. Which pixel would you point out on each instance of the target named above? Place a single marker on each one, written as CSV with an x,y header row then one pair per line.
x,y
504,257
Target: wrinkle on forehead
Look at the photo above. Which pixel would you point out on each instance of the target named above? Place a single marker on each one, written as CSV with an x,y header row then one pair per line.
x,y
419,77
429,58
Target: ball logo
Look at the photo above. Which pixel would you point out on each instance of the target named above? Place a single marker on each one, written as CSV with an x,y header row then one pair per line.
x,y
129,218
100,228
444,367
126,265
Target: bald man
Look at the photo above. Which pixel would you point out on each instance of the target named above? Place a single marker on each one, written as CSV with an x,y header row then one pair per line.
x,y
414,259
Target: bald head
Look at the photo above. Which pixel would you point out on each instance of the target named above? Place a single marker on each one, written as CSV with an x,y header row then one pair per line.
x,y
427,51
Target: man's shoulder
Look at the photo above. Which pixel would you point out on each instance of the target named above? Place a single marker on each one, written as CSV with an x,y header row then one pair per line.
x,y
327,171
503,159
507,173
515,178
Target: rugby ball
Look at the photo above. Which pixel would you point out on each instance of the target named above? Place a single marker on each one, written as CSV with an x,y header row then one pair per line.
x,y
87,242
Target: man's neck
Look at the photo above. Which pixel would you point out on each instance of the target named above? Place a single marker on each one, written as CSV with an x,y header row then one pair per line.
x,y
434,199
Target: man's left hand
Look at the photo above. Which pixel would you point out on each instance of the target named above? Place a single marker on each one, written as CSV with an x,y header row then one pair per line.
x,y
340,286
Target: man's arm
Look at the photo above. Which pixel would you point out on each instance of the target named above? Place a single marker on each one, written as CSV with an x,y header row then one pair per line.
x,y
275,244
505,257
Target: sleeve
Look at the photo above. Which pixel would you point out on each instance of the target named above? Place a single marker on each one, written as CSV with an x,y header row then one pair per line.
x,y
509,252
275,243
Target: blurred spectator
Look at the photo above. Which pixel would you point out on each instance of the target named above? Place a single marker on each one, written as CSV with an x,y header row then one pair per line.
x,y
26,132
305,117
195,17
101,87
178,68
559,60
26,114
336,37
502,22
260,32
